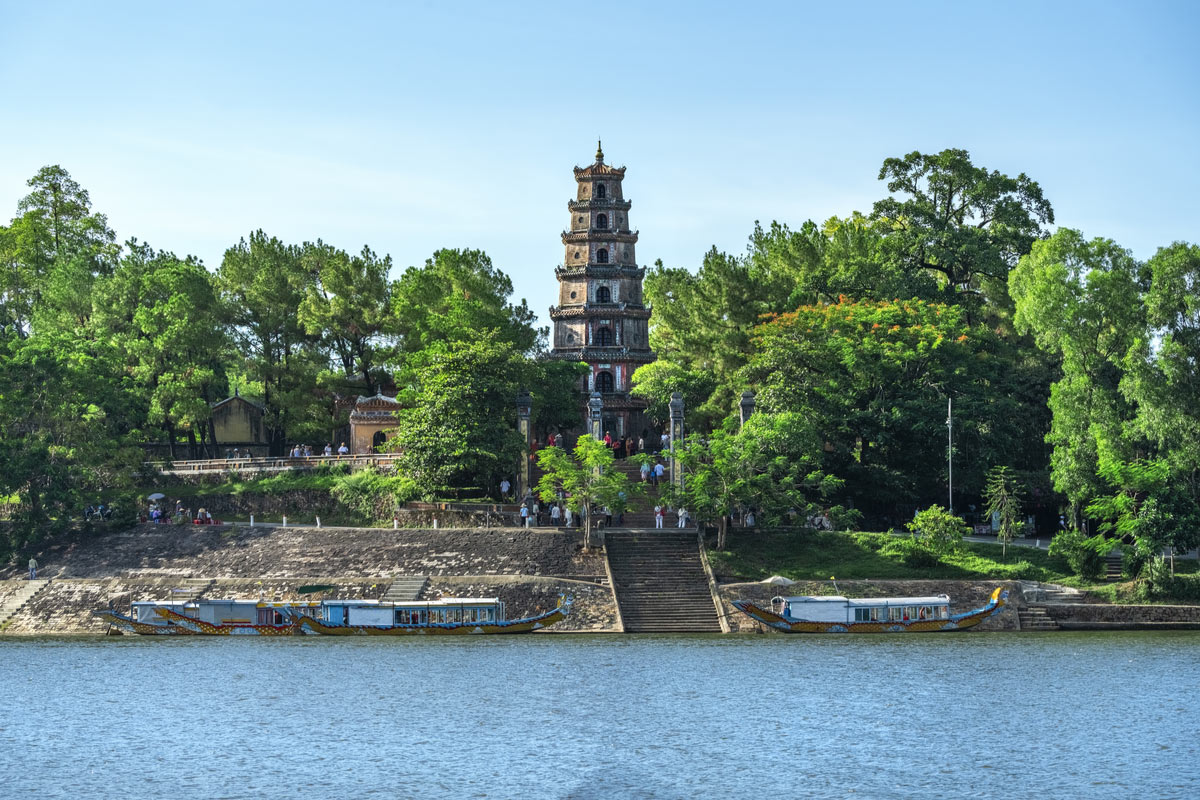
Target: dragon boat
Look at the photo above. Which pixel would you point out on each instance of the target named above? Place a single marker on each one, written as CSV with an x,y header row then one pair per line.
x,y
869,615
448,616
142,619
232,617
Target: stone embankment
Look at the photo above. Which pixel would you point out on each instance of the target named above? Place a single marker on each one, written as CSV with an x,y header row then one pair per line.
x,y
528,570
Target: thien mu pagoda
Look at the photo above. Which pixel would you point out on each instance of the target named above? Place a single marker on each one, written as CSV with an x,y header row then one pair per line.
x,y
600,318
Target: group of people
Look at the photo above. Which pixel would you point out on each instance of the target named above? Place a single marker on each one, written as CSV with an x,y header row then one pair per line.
x,y
683,518
98,511
562,515
623,448
653,473
306,451
160,515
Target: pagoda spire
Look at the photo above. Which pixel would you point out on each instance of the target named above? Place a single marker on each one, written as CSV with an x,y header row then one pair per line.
x,y
599,153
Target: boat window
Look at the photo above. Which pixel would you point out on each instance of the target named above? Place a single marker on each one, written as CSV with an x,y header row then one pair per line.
x,y
895,614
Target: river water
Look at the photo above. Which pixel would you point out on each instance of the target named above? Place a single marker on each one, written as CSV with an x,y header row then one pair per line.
x,y
555,716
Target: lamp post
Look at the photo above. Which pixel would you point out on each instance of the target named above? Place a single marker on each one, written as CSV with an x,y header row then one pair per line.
x,y
950,449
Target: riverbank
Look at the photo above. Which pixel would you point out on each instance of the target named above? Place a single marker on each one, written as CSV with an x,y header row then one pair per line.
x,y
527,569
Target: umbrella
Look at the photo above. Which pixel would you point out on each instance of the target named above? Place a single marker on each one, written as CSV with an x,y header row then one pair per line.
x,y
778,580
155,496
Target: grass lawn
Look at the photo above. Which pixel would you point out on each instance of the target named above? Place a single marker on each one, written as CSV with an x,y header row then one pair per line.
x,y
809,555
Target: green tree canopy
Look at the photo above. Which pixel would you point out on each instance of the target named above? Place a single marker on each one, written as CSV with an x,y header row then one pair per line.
x,y
348,305
460,429
962,223
262,283
456,297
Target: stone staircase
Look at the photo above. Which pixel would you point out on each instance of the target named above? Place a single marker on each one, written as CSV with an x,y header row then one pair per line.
x,y
1114,564
15,603
660,582
192,589
1048,593
644,516
1035,618
405,588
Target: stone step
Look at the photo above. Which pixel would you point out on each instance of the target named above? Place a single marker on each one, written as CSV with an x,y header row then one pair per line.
x,y
660,582
192,589
1035,618
405,588
15,603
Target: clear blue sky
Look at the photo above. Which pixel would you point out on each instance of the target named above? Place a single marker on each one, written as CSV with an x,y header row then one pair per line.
x,y
414,126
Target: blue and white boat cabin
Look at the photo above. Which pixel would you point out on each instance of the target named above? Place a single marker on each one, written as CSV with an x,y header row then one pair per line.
x,y
415,612
143,611
875,609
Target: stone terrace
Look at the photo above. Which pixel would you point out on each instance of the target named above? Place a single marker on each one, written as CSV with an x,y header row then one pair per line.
x,y
162,551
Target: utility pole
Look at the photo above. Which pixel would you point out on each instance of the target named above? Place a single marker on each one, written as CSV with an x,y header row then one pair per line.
x,y
950,447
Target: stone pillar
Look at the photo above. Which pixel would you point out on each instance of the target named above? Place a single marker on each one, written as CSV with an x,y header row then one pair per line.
x,y
525,473
676,431
596,416
746,406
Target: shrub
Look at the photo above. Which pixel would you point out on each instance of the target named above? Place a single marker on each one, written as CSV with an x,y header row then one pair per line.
x,y
1084,556
365,492
938,530
1133,562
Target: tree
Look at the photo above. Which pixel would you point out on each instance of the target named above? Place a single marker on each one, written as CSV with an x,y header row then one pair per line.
x,y
1003,495
66,421
872,378
456,297
459,430
1082,302
701,331
962,223
263,282
842,257
588,478
348,305
771,466
51,254
937,530
163,314
1162,369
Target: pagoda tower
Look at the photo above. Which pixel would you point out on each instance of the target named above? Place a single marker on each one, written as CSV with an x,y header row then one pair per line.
x,y
600,318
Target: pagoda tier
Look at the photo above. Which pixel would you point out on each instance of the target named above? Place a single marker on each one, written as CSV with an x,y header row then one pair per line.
x,y
603,202
600,271
591,309
601,318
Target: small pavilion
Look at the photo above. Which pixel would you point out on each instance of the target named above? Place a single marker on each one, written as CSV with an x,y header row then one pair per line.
x,y
370,422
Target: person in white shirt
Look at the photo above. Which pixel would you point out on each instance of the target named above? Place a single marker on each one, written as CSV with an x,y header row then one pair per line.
x,y
555,514
665,438
570,518
504,487
659,471
329,449
343,450
658,516
525,516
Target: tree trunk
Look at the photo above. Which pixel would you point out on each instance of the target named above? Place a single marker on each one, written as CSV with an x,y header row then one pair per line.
x,y
171,440
722,529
